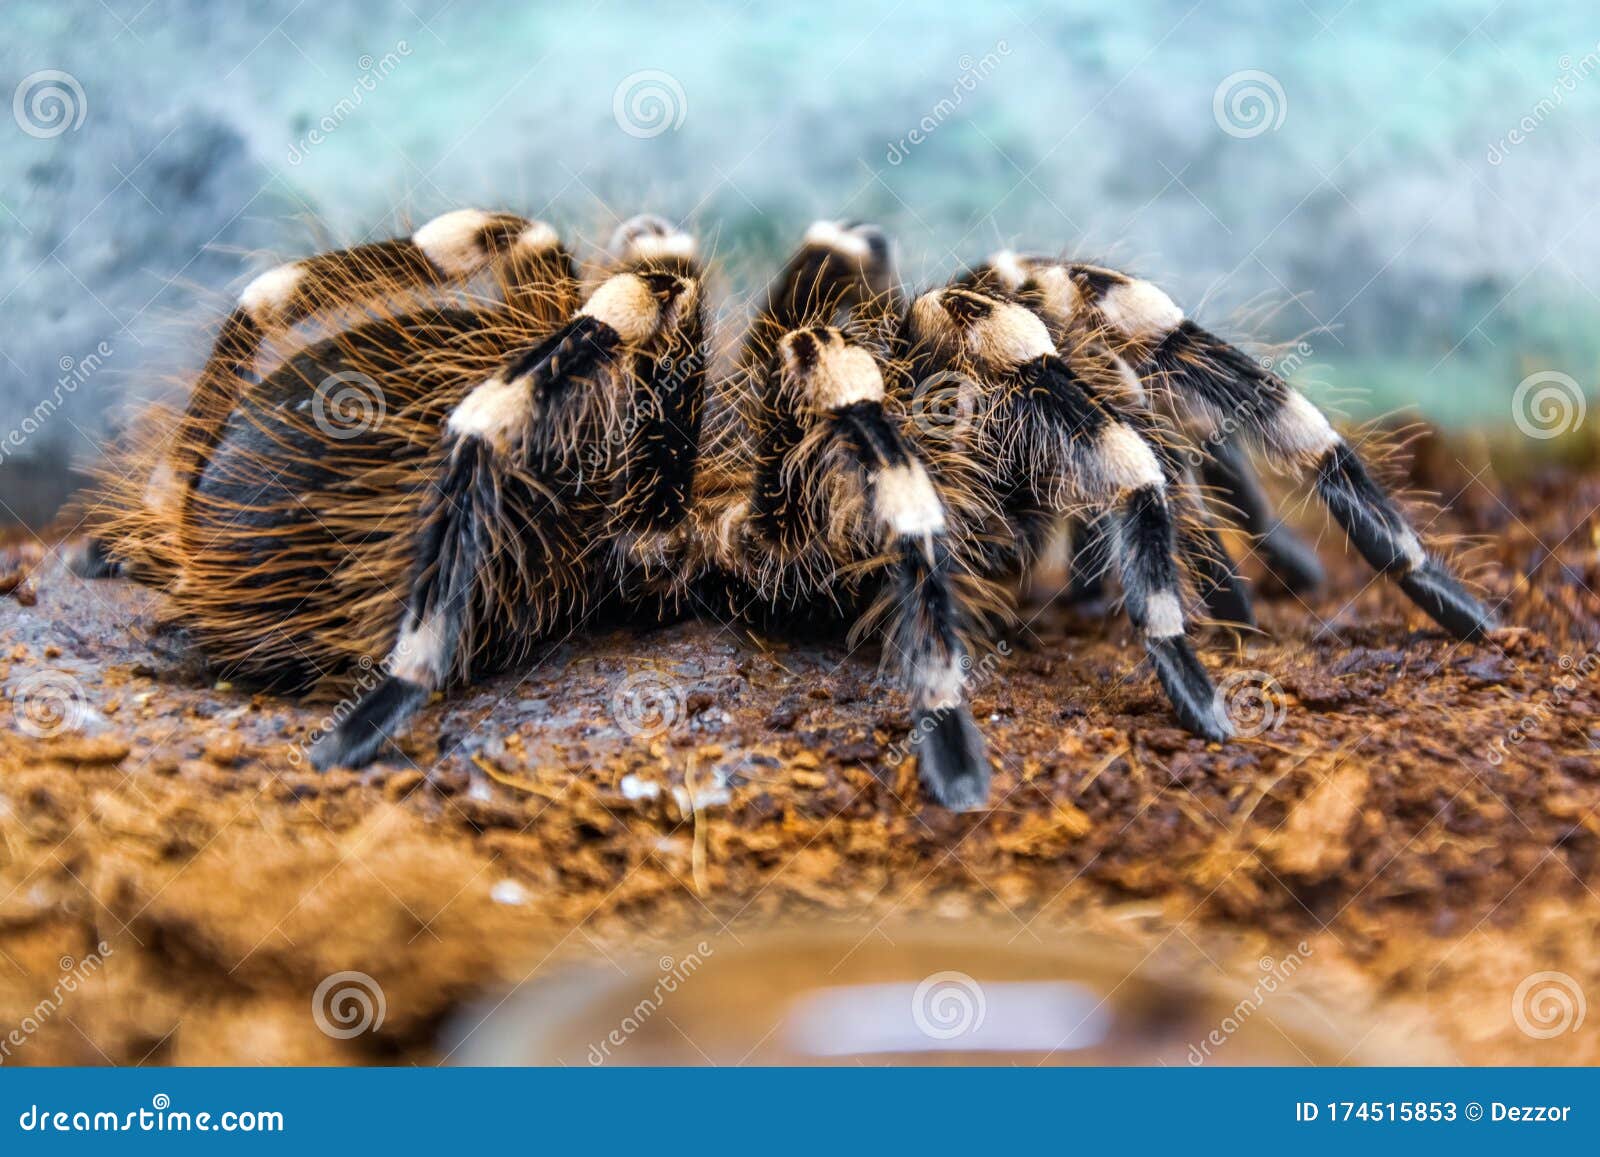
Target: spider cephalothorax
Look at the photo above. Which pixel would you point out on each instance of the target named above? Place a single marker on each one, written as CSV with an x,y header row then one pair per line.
x,y
546,441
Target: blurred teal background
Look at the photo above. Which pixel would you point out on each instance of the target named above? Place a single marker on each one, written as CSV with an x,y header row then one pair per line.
x,y
1406,193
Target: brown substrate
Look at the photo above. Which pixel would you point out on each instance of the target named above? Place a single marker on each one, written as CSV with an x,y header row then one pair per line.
x,y
1423,815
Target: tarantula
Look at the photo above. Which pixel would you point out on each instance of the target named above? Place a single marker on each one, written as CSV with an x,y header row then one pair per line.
x,y
547,443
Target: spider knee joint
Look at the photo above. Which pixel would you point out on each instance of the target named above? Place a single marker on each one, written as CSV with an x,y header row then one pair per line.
x,y
638,305
1127,460
419,651
455,242
1140,310
907,502
827,372
270,294
1163,615
496,412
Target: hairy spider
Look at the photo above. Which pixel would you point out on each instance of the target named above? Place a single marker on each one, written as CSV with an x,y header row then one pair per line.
x,y
535,442
1220,396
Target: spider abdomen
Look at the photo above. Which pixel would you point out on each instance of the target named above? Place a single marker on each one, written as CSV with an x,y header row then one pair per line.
x,y
296,535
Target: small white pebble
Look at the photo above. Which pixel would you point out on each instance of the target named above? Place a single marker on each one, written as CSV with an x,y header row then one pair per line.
x,y
706,797
508,892
635,788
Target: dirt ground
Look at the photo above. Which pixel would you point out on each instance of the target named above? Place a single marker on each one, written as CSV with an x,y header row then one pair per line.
x,y
1421,814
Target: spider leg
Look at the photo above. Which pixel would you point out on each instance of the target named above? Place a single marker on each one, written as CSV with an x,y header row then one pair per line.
x,y
1220,390
1219,385
500,429
662,448
1056,428
836,390
1196,538
451,247
1198,543
1111,463
839,267
1227,472
1043,289
1223,593
950,759
1091,558
842,273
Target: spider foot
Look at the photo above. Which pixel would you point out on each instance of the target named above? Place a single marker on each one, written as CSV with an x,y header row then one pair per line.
x,y
366,730
1438,593
950,758
90,559
1188,687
